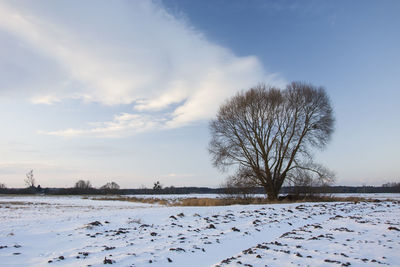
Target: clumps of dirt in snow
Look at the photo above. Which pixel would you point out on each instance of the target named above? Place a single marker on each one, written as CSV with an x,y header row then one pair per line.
x,y
330,240
60,258
91,225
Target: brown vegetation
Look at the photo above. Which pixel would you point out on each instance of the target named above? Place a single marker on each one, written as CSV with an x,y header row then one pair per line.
x,y
185,202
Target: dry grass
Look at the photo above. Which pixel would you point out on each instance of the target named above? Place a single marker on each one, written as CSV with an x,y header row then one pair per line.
x,y
136,199
205,202
220,201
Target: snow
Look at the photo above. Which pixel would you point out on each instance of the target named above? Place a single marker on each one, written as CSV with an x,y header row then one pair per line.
x,y
73,231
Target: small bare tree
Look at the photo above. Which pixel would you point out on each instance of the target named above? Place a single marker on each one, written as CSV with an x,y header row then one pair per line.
x,y
81,184
305,183
157,186
30,179
110,186
238,188
3,186
269,134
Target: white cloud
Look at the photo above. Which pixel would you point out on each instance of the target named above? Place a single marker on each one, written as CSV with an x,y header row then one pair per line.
x,y
45,99
124,124
131,53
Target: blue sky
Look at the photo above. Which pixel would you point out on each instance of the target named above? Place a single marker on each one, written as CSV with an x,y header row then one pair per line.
x,y
123,91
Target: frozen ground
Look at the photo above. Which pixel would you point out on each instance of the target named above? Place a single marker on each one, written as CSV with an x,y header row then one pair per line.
x,y
71,231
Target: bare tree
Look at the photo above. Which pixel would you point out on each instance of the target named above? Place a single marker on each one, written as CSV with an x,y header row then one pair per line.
x,y
110,186
237,188
269,134
81,184
157,186
304,182
3,186
30,179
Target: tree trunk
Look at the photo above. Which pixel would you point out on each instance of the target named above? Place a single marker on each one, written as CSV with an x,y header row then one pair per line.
x,y
272,193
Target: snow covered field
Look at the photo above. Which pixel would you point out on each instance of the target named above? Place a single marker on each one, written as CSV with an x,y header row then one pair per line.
x,y
71,231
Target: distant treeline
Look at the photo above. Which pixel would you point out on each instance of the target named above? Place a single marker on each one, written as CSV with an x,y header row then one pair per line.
x,y
195,190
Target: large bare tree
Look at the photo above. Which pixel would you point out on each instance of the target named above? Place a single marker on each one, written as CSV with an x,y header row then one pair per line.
x,y
269,134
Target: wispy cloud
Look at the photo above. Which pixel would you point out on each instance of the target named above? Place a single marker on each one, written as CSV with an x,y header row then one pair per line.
x,y
146,58
124,124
